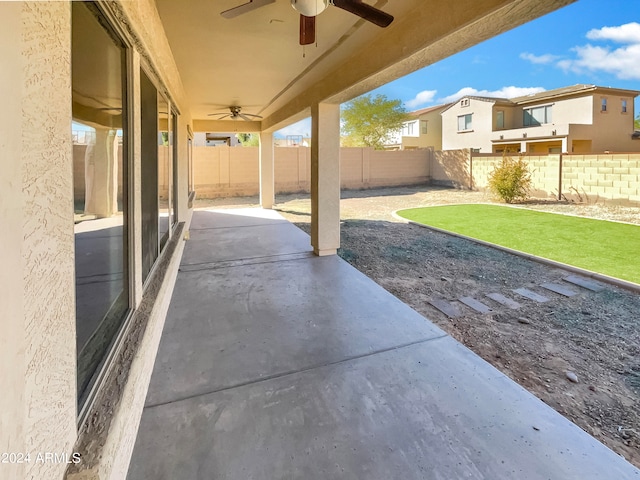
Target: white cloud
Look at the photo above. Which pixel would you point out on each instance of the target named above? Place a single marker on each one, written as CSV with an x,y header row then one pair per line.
x,y
422,98
504,92
623,62
627,33
539,59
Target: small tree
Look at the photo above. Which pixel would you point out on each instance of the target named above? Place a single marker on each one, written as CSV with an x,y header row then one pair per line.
x,y
511,180
636,123
369,121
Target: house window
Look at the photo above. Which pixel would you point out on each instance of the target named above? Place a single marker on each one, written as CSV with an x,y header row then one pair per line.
x,y
603,107
100,184
464,102
409,129
174,166
500,119
190,167
423,127
624,105
165,210
537,115
465,122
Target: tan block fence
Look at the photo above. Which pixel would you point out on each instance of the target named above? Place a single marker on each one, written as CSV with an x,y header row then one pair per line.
x,y
591,178
234,171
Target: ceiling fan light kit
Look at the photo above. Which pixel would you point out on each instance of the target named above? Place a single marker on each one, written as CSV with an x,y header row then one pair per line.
x,y
235,114
309,9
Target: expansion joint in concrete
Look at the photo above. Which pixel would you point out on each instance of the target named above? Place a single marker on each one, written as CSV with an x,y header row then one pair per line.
x,y
294,372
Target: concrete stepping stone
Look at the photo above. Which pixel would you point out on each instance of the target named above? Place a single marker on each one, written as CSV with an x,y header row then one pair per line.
x,y
554,287
584,283
531,295
451,310
475,304
502,300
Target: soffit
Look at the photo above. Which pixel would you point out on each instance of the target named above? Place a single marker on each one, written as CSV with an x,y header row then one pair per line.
x,y
255,61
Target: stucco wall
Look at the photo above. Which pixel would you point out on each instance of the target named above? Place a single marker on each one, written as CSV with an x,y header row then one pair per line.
x,y
479,136
37,308
451,168
612,129
12,318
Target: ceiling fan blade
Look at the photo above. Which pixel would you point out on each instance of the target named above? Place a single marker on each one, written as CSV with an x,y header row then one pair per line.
x,y
307,30
245,7
367,12
244,117
252,115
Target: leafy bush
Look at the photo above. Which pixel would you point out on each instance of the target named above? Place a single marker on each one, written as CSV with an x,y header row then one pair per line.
x,y
511,180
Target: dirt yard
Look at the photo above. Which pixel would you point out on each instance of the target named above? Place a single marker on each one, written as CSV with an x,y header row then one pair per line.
x,y
594,335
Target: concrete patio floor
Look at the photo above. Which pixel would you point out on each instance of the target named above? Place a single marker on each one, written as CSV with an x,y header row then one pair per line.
x,y
276,364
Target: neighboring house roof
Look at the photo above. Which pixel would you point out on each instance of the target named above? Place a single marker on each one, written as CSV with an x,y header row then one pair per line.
x,y
498,100
417,113
571,90
549,94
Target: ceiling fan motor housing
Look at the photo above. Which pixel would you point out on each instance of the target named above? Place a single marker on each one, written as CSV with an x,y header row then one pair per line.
x,y
309,8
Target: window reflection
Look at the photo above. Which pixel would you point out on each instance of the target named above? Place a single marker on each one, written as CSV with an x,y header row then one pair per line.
x,y
99,175
164,169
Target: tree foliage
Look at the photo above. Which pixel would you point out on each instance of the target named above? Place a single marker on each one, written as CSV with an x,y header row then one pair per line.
x,y
636,123
248,139
369,121
511,180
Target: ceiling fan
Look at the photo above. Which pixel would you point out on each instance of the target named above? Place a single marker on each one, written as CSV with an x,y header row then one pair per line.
x,y
309,9
235,114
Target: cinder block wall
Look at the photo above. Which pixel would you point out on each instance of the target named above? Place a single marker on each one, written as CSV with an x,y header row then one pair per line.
x,y
598,178
544,169
234,171
590,178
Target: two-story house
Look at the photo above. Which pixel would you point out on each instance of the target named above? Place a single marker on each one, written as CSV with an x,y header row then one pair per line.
x,y
422,131
575,119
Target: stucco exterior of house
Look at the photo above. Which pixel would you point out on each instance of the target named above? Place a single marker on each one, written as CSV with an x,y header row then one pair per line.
x,y
422,131
575,119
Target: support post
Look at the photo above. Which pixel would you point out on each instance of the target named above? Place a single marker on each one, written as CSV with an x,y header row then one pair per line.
x,y
101,174
267,186
325,179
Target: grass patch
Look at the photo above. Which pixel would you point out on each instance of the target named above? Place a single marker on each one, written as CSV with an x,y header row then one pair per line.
x,y
605,247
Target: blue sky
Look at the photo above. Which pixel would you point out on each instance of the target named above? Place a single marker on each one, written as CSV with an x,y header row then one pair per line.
x,y
590,41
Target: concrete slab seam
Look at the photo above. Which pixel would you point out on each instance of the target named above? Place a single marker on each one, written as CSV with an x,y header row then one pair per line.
x,y
275,222
293,372
244,262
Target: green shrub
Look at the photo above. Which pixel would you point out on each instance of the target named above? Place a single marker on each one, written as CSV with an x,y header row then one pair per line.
x,y
511,180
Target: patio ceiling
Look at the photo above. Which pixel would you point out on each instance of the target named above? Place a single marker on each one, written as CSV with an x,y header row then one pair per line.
x,y
255,61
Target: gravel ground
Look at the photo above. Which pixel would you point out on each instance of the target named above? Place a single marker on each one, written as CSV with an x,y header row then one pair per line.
x,y
593,335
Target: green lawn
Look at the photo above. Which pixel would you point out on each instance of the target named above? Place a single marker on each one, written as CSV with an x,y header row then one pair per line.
x,y
605,247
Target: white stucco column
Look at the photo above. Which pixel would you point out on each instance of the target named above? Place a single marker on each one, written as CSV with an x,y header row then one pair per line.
x,y
267,186
325,178
101,174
